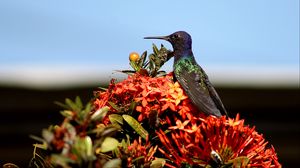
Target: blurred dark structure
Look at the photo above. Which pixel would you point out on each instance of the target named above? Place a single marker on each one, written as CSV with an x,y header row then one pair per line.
x,y
273,111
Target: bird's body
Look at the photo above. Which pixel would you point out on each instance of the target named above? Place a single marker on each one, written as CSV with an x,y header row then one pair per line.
x,y
195,83
192,77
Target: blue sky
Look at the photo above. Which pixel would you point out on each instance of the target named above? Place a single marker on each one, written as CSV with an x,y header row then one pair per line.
x,y
102,34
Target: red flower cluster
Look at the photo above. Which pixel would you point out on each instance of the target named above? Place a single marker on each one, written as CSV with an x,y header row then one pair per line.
x,y
150,94
187,137
195,141
141,153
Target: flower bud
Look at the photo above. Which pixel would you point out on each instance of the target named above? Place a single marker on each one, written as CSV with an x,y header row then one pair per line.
x,y
134,56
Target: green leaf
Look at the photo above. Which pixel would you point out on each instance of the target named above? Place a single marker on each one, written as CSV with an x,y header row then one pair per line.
x,y
136,126
109,144
41,146
132,106
124,144
238,162
100,114
152,58
39,139
88,108
109,131
47,135
113,163
72,105
158,163
113,105
134,65
78,102
115,119
82,115
99,129
102,88
89,146
61,160
137,159
75,106
83,147
155,49
151,62
141,61
227,165
64,106
67,114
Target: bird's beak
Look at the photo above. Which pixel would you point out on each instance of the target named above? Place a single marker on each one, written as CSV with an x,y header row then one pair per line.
x,y
158,37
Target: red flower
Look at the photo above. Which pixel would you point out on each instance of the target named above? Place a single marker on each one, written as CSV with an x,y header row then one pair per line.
x,y
192,138
194,142
141,153
159,94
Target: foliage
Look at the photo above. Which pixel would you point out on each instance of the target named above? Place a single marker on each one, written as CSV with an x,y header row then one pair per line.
x,y
150,67
148,121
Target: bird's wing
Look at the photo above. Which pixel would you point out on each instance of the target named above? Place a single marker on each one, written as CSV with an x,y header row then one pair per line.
x,y
192,82
214,95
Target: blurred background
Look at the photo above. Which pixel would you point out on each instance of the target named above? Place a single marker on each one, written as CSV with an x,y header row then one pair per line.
x,y
52,50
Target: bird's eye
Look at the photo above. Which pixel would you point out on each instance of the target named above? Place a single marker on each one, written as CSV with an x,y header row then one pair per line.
x,y
175,36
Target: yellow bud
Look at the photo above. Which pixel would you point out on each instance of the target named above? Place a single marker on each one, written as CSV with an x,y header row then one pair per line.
x,y
134,56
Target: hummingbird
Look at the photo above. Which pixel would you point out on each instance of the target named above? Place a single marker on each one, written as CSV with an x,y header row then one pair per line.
x,y
191,76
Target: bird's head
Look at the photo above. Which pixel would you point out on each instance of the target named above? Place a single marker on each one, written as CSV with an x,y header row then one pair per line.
x,y
180,40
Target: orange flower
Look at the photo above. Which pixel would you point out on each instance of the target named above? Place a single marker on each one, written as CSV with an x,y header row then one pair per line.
x,y
180,125
174,87
147,92
229,139
169,103
193,139
179,97
139,152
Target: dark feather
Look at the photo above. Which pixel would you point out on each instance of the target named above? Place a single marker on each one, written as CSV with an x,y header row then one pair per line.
x,y
199,89
214,95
